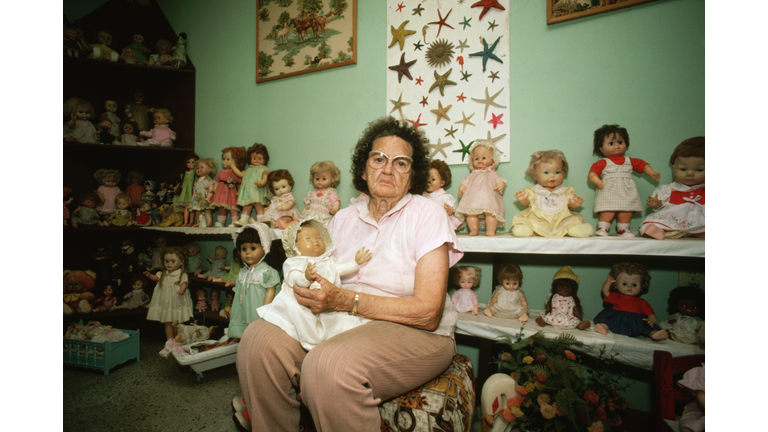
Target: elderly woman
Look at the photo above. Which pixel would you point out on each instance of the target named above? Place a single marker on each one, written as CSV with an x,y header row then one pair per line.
x,y
402,290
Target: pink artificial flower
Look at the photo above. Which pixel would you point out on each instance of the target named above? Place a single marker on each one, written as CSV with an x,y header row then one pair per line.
x,y
570,355
543,399
596,427
507,415
591,397
548,411
515,401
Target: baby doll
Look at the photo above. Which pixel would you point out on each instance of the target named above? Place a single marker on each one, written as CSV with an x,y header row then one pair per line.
x,y
163,56
137,111
103,48
107,301
108,179
256,282
480,192
137,297
110,108
143,210
282,211
219,267
630,315
184,197
563,309
508,300
128,137
549,202
161,135
149,190
171,300
467,278
225,312
440,178
686,309
678,208
157,253
194,262
79,127
139,49
202,300
254,193
616,195
86,214
322,202
201,194
215,305
308,247
128,55
121,216
72,46
226,183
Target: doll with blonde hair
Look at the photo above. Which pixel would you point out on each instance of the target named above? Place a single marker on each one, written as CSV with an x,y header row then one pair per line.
x,y
466,278
550,204
439,179
508,300
107,191
121,216
161,135
171,300
322,202
480,192
202,193
254,193
282,211
79,127
226,184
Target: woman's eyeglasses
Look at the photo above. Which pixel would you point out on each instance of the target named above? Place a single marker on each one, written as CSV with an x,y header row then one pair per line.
x,y
378,160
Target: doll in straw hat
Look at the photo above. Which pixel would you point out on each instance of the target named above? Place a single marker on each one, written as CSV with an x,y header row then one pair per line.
x,y
563,309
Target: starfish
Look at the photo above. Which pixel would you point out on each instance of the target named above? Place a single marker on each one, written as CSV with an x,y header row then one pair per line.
x,y
487,53
465,76
441,112
417,123
450,132
400,7
417,10
466,23
402,68
465,121
462,45
464,150
487,5
493,76
441,81
399,34
488,101
442,22
490,141
424,101
399,104
438,148
492,25
496,120
461,97
417,46
419,80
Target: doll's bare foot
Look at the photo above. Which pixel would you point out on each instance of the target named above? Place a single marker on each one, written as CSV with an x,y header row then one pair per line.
x,y
583,325
601,328
523,318
655,232
540,321
659,335
473,232
488,313
698,235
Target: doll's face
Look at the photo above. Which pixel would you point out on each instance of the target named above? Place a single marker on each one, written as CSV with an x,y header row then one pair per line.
x,y
482,157
281,187
689,170
309,242
109,181
107,290
82,112
128,129
104,38
122,204
137,285
159,119
202,169
220,254
629,285
214,294
70,32
226,160
564,290
549,174
135,179
148,187
257,159
139,39
145,208
129,52
160,242
172,262
138,98
510,284
191,163
251,253
435,181
613,145
466,280
89,203
110,106
322,180
105,124
201,295
192,251
688,307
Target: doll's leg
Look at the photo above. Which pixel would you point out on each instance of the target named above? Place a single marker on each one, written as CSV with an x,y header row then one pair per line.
x,y
259,209
659,335
168,330
540,321
604,223
622,224
234,214
653,231
490,225
208,218
285,221
221,217
195,217
473,223
186,216
583,325
601,328
244,216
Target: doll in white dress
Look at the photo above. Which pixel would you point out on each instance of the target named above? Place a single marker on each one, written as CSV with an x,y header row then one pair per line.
x,y
563,309
322,202
550,204
79,127
202,193
686,308
480,192
678,208
308,247
171,300
440,178
466,278
508,300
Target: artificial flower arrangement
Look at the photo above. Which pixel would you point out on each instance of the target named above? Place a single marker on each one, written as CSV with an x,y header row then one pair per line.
x,y
554,392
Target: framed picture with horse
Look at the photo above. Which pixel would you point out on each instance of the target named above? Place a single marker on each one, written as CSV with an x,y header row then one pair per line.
x,y
295,37
566,10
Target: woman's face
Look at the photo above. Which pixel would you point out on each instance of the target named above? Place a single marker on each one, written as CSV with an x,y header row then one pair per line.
x,y
435,181
387,182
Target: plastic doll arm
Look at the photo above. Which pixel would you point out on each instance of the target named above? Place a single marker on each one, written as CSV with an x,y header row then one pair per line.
x,y
287,206
651,320
522,197
455,296
269,296
607,286
230,283
492,301
236,170
594,178
310,272
209,259
524,302
575,202
297,277
263,181
651,173
500,185
73,121
654,202
151,277
182,288
334,208
462,188
448,209
363,256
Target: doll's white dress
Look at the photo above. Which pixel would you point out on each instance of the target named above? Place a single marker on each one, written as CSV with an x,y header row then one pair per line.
x,y
619,192
682,209
508,304
126,140
318,203
465,300
136,299
166,304
561,315
84,132
684,329
479,196
442,197
548,214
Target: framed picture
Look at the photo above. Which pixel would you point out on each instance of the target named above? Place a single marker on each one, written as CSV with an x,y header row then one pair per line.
x,y
295,37
566,10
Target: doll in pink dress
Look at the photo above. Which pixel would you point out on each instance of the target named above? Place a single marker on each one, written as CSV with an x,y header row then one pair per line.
x,y
322,202
467,278
282,211
108,179
508,300
440,178
480,192
678,208
161,135
563,309
202,304
226,184
616,195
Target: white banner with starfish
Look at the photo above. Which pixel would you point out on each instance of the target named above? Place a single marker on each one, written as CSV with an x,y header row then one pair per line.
x,y
448,72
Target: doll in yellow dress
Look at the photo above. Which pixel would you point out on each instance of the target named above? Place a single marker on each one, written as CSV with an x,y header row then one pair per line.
x,y
550,203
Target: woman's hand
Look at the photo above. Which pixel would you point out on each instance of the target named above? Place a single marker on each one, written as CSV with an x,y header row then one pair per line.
x,y
328,298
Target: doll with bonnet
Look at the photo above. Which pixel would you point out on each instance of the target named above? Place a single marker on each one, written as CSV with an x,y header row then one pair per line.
x,y
480,192
308,246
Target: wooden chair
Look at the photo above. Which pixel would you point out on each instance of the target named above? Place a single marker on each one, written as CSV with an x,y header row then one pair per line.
x,y
667,370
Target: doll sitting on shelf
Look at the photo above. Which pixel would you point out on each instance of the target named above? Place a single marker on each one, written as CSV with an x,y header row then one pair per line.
x,y
563,309
467,278
282,211
508,300
161,135
686,308
79,127
219,267
86,213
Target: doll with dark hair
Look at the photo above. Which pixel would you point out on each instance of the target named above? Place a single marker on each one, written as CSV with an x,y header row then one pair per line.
x,y
128,137
563,309
138,112
186,187
107,301
86,213
254,193
137,297
282,212
439,179
110,108
686,314
508,300
629,314
226,184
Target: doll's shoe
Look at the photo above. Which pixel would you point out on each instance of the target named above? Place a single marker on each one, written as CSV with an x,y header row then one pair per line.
x,y
624,233
238,404
601,232
242,421
239,222
218,224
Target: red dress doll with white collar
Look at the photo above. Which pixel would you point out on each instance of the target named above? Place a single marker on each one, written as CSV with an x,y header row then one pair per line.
x,y
678,208
616,195
439,179
226,184
480,192
467,278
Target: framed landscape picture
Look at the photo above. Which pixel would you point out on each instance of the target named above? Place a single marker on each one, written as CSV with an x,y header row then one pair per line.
x,y
295,37
566,10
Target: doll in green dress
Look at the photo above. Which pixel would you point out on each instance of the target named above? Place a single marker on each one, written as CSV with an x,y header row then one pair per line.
x,y
187,186
254,193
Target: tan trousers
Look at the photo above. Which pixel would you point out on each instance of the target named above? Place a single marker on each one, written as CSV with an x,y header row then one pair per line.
x,y
343,380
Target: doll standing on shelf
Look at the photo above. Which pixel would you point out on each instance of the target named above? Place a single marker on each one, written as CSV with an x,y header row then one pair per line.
x,y
161,135
322,202
616,195
187,187
110,108
137,111
630,315
467,278
201,194
226,184
550,204
215,304
108,179
86,214
171,300
508,300
179,52
686,309
480,192
440,178
157,253
128,137
563,309
256,282
135,187
202,300
678,208
149,190
79,127
308,247
282,212
254,193
194,262
121,216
